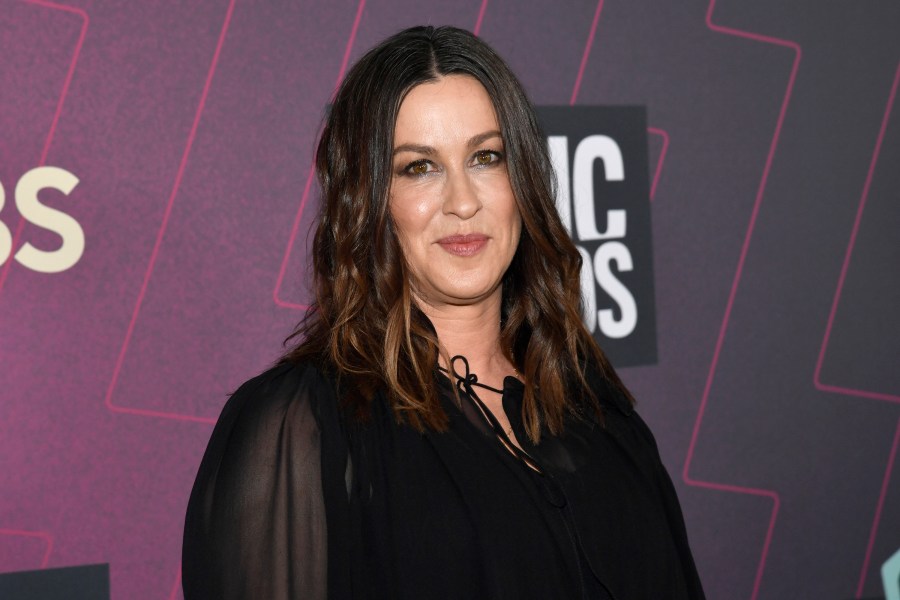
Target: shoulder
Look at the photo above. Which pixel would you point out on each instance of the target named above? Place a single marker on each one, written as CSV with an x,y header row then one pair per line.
x,y
289,398
619,417
277,390
276,424
609,396
268,460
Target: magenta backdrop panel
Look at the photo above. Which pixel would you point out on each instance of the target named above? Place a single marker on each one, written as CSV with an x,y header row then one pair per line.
x,y
774,137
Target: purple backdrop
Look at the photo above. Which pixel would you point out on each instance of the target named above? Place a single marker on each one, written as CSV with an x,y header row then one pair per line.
x,y
774,142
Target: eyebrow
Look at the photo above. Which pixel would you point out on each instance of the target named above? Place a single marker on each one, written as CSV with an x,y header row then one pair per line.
x,y
474,141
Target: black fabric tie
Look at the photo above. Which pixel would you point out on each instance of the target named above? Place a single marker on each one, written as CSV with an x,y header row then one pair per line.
x,y
466,384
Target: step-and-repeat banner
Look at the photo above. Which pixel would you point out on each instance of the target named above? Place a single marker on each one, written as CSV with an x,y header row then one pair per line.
x,y
727,169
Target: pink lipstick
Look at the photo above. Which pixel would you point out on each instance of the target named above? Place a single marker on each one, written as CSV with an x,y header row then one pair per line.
x,y
464,245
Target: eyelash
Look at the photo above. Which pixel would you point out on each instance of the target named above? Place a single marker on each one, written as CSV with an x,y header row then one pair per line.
x,y
495,154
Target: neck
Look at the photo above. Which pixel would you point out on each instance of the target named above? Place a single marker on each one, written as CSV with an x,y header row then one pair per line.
x,y
474,332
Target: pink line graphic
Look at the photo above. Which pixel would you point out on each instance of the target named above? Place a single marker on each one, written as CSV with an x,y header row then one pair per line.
x,y
56,115
480,18
345,61
176,587
159,237
875,521
295,228
587,52
817,377
41,535
772,495
662,157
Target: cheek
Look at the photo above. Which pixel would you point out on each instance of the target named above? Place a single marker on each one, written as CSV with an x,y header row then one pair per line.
x,y
513,218
411,213
408,224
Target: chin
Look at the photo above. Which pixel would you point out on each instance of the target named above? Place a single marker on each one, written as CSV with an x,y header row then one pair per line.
x,y
464,295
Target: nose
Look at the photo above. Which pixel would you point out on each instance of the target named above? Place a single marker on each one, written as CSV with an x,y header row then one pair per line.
x,y
461,196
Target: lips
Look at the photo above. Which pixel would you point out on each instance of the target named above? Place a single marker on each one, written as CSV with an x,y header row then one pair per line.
x,y
463,245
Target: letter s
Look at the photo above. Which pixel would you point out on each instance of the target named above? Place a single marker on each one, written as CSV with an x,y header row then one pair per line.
x,y
588,291
605,254
49,218
5,235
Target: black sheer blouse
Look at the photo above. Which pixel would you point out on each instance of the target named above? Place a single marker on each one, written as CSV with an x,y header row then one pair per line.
x,y
296,500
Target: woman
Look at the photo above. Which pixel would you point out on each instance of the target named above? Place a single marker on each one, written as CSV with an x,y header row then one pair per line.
x,y
372,461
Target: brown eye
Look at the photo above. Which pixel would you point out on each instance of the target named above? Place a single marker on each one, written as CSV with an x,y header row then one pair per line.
x,y
418,168
484,158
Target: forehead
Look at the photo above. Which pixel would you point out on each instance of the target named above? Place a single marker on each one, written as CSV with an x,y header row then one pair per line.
x,y
454,106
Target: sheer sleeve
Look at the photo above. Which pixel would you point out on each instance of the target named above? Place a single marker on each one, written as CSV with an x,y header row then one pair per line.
x,y
255,525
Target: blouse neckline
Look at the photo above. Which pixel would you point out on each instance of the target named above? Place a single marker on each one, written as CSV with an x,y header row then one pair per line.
x,y
511,404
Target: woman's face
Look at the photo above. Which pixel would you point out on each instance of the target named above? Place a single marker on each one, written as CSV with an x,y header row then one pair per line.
x,y
450,196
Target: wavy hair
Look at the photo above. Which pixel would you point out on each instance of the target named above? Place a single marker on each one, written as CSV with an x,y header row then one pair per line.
x,y
364,323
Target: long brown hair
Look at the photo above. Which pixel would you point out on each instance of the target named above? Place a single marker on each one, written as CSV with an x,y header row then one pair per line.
x,y
364,324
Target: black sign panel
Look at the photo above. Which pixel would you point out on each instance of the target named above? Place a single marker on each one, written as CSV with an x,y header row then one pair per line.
x,y
87,582
600,157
